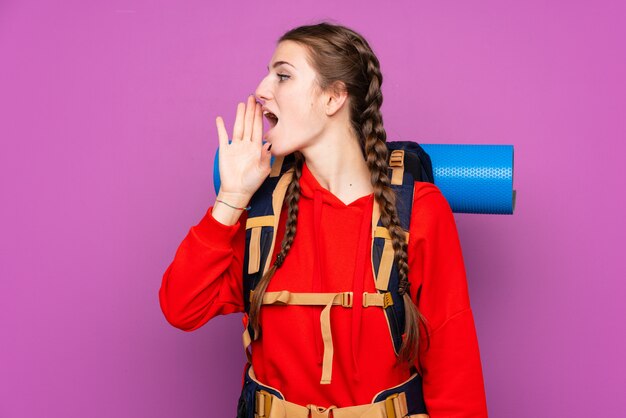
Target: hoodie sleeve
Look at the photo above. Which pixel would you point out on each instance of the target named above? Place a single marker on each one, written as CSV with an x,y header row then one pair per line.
x,y
449,359
205,279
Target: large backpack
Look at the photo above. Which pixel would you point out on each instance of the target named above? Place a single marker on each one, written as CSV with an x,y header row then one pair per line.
x,y
408,162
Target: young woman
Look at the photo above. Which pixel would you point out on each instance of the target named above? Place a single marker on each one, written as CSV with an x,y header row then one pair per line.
x,y
323,95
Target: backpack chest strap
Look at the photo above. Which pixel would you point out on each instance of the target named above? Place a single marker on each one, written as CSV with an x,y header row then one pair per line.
x,y
345,299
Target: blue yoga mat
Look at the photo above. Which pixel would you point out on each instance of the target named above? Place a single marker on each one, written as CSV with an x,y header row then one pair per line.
x,y
474,178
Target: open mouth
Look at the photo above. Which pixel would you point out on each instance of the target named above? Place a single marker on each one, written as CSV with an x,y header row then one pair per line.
x,y
272,119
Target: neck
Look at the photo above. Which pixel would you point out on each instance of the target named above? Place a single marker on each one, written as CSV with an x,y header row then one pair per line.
x,y
338,165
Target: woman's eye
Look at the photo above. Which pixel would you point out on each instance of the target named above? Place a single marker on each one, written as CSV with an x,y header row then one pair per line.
x,y
282,75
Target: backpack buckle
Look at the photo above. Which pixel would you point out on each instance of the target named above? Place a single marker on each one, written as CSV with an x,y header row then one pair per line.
x,y
389,407
346,299
365,303
263,404
396,159
387,300
396,405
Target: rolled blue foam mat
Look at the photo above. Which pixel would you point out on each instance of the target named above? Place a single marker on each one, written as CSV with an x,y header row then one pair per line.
x,y
474,178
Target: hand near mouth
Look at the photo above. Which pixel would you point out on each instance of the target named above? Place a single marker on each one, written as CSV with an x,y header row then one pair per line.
x,y
245,162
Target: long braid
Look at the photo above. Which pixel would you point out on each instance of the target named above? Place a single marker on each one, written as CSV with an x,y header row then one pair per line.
x,y
376,152
291,198
339,54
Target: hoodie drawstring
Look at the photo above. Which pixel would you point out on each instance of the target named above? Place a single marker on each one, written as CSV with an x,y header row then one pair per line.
x,y
362,254
317,273
357,280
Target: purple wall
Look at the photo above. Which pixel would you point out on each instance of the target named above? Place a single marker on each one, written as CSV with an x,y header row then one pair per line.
x,y
107,131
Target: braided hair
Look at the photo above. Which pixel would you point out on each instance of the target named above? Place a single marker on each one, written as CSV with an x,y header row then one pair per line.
x,y
339,54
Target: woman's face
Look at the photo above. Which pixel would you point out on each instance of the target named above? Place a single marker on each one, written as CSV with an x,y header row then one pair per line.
x,y
290,92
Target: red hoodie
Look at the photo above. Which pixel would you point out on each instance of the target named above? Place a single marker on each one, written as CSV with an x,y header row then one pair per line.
x,y
205,280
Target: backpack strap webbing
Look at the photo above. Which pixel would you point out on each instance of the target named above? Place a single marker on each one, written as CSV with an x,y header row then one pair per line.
x,y
405,167
255,225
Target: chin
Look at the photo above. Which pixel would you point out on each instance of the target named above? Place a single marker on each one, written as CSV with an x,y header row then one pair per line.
x,y
279,151
282,147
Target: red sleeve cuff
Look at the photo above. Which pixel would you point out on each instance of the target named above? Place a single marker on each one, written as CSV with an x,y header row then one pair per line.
x,y
453,381
213,232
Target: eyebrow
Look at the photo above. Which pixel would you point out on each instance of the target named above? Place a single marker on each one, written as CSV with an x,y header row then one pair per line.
x,y
277,63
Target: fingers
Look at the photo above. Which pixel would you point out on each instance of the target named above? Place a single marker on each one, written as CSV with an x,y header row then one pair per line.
x,y
238,125
248,122
266,156
257,127
249,117
221,132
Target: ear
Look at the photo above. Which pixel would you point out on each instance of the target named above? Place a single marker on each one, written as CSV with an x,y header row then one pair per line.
x,y
336,97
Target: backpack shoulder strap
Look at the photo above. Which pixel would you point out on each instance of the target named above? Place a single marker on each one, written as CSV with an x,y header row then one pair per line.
x,y
416,161
261,226
408,163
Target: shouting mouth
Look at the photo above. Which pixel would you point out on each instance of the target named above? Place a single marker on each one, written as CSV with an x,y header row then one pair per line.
x,y
271,118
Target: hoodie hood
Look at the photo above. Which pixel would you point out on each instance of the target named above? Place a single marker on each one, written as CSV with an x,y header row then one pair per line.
x,y
310,188
309,185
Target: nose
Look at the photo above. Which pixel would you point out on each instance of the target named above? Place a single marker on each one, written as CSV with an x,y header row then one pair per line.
x,y
262,91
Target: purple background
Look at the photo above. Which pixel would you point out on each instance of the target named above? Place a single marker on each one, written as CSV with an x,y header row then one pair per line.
x,y
107,116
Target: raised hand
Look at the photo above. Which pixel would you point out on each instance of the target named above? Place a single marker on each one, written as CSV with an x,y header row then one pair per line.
x,y
244,163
